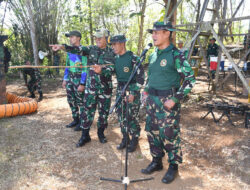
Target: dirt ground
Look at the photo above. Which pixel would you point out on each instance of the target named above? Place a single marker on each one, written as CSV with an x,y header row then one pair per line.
x,y
37,152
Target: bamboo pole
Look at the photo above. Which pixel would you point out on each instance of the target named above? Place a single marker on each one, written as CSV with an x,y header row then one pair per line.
x,y
214,21
53,67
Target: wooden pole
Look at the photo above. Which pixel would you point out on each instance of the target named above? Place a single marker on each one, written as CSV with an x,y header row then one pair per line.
x,y
32,31
53,67
2,84
2,74
171,14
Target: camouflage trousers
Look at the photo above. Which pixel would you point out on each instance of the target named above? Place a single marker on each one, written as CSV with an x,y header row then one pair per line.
x,y
92,102
34,85
163,129
75,98
133,115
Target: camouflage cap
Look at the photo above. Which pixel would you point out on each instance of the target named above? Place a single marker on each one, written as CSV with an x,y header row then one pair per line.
x,y
162,26
74,33
213,39
101,33
118,38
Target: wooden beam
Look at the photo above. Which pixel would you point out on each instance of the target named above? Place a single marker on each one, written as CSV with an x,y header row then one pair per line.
x,y
52,67
215,21
239,73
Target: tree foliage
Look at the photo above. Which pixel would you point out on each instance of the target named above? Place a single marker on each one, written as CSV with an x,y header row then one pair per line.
x,y
48,17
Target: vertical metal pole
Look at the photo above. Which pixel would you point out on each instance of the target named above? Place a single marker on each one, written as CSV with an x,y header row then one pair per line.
x,y
126,159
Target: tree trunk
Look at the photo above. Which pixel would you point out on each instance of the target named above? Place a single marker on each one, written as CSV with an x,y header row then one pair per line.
x,y
32,31
90,23
221,31
140,41
4,16
198,10
173,16
2,76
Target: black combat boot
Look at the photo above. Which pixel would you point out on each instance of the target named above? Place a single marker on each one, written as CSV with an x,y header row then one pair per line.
x,y
170,174
40,97
155,165
101,136
73,123
85,138
122,145
32,95
78,127
133,144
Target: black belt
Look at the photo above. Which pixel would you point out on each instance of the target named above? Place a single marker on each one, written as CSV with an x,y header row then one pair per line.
x,y
155,92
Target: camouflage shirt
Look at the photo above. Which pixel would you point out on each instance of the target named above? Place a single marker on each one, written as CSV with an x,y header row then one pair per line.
x,y
34,74
167,68
96,83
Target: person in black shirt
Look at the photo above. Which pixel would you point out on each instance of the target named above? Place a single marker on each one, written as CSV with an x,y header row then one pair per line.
x,y
35,81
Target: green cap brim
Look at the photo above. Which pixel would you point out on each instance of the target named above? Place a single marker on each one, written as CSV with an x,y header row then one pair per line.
x,y
119,41
158,29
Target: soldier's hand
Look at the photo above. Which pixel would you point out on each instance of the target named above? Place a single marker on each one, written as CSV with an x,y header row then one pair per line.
x,y
169,104
80,88
56,47
97,69
64,83
130,98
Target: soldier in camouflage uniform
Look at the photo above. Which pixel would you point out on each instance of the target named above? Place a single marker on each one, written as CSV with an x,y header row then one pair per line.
x,y
74,81
167,68
34,82
125,62
98,89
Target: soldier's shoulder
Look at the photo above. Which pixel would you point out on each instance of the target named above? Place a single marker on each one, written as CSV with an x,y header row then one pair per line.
x,y
92,47
177,52
111,52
